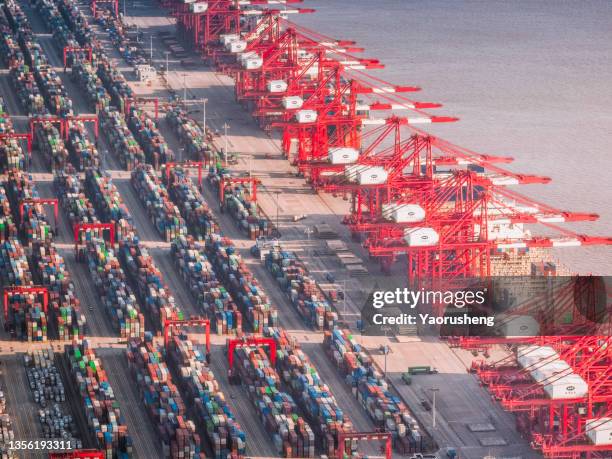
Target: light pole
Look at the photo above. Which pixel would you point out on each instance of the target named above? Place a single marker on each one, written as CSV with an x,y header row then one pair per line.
x,y
225,128
308,231
124,7
204,117
277,193
151,49
185,91
166,53
385,347
434,390
344,296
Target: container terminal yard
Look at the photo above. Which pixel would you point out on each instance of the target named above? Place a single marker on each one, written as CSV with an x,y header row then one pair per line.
x,y
197,199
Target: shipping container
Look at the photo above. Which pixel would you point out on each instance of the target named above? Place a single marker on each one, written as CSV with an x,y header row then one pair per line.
x,y
197,145
49,270
211,296
277,411
8,229
224,434
148,281
241,283
144,128
239,204
123,144
104,416
49,142
163,401
293,278
185,194
386,410
34,226
108,202
153,194
313,395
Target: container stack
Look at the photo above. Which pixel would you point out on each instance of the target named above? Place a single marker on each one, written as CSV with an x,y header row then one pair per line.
x,y
74,201
56,25
113,289
11,54
14,268
11,154
29,95
20,186
8,230
291,435
47,79
26,318
49,141
108,202
145,131
83,153
122,142
190,134
114,82
85,76
48,391
163,401
49,269
152,291
6,431
312,394
241,283
76,21
154,195
303,291
198,381
185,194
239,204
104,416
368,385
210,295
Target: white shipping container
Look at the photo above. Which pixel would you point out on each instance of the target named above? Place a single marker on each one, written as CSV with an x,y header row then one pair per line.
x,y
252,63
292,102
548,370
343,155
188,1
421,237
528,355
372,176
407,213
306,116
236,46
599,430
519,325
199,7
228,38
566,387
277,86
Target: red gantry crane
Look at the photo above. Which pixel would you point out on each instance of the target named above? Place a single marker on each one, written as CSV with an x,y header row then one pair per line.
x,y
169,324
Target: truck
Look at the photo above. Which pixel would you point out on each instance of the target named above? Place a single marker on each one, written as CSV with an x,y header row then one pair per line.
x,y
422,370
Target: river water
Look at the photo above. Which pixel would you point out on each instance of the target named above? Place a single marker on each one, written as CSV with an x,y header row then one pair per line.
x,y
529,79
